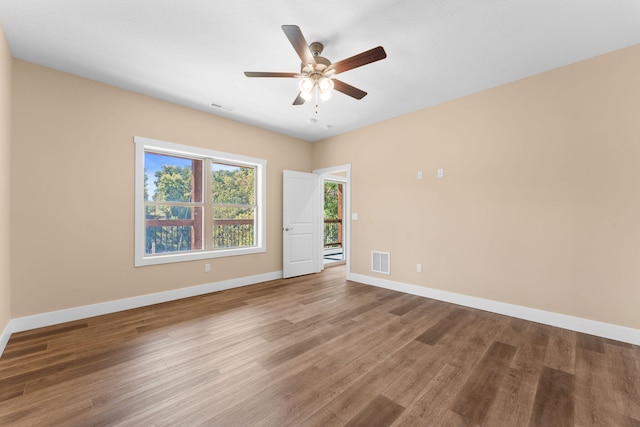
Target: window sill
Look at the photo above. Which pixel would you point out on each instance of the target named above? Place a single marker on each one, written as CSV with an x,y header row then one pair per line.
x,y
195,256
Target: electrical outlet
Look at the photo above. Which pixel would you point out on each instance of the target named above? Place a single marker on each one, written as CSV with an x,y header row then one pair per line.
x,y
419,268
440,172
207,268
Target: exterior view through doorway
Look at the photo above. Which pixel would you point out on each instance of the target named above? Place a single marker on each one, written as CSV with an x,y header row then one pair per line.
x,y
333,220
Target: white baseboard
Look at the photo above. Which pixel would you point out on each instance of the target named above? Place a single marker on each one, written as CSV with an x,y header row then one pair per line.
x,y
4,337
592,327
55,317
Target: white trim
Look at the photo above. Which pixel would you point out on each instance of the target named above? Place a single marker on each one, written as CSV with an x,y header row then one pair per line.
x,y
592,327
188,150
4,337
199,255
55,317
606,330
335,178
141,143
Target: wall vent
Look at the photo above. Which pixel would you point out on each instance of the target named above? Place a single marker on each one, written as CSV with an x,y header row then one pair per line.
x,y
380,262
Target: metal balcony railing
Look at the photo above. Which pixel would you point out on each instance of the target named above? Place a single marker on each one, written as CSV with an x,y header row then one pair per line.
x,y
332,233
170,236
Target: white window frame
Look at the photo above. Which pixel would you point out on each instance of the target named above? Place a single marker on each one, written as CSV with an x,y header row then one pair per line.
x,y
143,144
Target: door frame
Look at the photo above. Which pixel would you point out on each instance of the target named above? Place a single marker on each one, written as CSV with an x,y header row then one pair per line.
x,y
323,174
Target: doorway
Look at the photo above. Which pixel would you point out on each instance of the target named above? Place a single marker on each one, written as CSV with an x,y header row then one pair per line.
x,y
335,215
303,224
333,221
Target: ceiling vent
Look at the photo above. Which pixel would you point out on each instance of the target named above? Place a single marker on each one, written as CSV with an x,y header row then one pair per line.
x,y
222,107
380,262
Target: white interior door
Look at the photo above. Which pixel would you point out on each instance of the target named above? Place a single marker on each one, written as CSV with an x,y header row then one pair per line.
x,y
300,231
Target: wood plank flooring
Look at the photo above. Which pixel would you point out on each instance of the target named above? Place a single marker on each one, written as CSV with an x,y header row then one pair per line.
x,y
315,351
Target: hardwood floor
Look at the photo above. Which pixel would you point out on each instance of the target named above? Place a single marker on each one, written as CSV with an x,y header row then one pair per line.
x,y
315,351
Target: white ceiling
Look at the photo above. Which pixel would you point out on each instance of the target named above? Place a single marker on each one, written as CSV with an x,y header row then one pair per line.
x,y
194,52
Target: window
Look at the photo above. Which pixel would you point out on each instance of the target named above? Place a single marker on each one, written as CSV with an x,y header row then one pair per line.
x,y
192,203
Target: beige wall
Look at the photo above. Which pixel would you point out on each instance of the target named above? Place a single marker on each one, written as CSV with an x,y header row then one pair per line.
x,y
538,207
5,184
73,158
540,203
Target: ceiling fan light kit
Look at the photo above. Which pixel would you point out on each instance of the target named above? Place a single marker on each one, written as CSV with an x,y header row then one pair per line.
x,y
316,72
322,86
306,86
325,84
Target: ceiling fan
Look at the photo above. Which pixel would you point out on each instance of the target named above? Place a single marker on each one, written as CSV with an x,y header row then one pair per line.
x,y
316,72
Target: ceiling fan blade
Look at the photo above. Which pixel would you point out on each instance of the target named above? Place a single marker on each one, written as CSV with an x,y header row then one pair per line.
x,y
298,42
364,58
299,100
269,74
347,89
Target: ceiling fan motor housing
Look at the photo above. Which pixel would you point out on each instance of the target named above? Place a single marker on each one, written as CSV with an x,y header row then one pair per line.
x,y
316,49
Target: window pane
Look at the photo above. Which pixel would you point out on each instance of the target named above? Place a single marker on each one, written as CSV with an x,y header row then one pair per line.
x,y
170,178
171,229
232,184
233,227
169,239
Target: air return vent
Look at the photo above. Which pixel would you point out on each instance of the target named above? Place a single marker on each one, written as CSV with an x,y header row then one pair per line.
x,y
380,262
